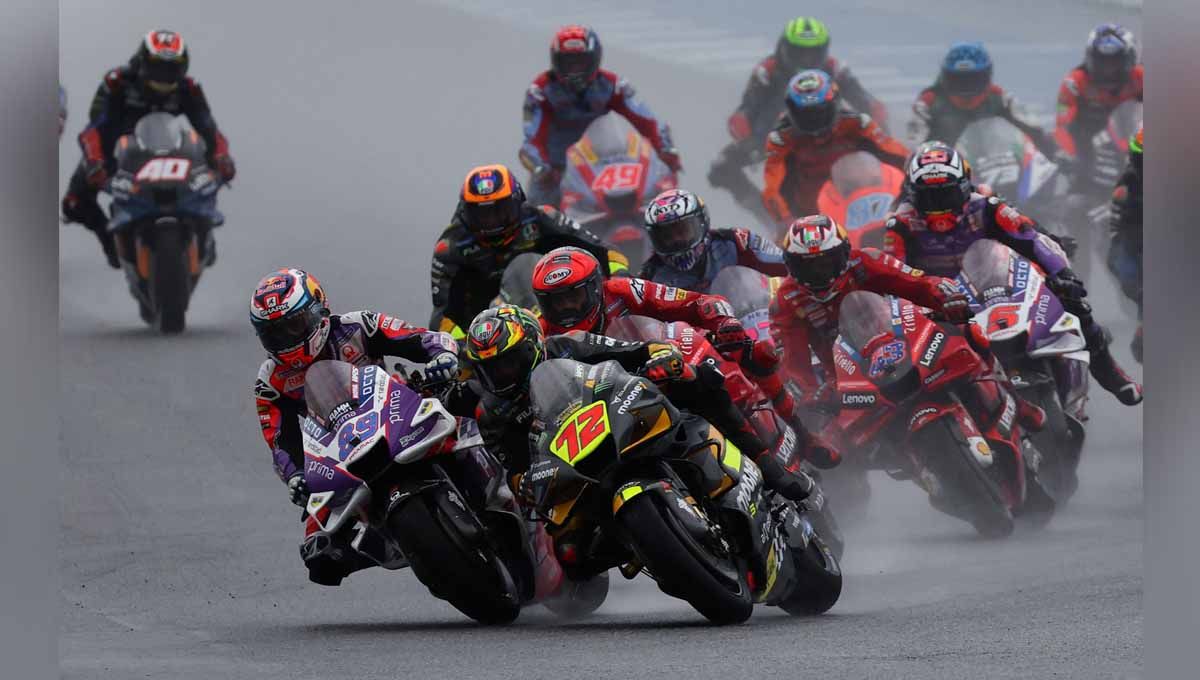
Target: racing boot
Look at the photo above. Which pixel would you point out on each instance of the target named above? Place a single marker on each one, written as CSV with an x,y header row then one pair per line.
x,y
1031,416
84,210
1106,371
792,485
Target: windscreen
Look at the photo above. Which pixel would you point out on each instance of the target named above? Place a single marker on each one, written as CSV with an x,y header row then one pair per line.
x,y
516,286
329,391
555,386
1125,121
988,266
609,137
855,171
634,328
989,140
864,316
159,132
747,290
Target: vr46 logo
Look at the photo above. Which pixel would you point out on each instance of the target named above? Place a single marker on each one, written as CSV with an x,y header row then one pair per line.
x,y
164,170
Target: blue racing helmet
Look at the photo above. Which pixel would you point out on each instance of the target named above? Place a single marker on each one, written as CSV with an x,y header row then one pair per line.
x,y
966,69
812,102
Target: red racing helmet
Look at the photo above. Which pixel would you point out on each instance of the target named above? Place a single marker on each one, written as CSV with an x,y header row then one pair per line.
x,y
568,284
575,56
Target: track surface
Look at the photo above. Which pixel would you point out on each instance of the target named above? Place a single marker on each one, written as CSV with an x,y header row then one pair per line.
x,y
352,131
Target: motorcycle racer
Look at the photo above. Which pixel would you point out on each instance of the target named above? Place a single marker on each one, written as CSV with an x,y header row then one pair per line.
x,y
562,101
688,254
804,44
504,345
964,93
492,224
946,215
572,297
290,314
815,132
1109,75
1125,249
822,268
155,79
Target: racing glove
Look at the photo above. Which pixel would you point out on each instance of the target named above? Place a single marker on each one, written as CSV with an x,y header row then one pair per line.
x,y
94,173
954,303
665,364
1068,287
730,335
225,166
440,370
298,489
739,126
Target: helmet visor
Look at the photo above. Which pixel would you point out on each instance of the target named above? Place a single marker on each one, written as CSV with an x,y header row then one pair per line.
x,y
1107,68
291,331
818,270
574,67
949,197
813,120
494,219
163,74
966,83
796,57
569,306
677,236
506,372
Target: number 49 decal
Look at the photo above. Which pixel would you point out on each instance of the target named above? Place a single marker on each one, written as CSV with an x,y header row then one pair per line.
x,y
164,170
582,433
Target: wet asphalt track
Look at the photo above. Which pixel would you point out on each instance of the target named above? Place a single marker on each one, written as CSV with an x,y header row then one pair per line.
x,y
178,550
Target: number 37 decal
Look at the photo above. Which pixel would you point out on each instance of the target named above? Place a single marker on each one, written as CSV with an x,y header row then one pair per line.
x,y
582,433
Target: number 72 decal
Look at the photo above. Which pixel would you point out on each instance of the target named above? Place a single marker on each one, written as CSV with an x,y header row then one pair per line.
x,y
582,433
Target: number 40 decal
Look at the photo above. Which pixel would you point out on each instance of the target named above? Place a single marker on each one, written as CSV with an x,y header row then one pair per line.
x,y
582,433
164,170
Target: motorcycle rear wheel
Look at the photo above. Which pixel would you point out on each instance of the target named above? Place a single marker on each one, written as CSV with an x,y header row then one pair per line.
x,y
820,581
683,567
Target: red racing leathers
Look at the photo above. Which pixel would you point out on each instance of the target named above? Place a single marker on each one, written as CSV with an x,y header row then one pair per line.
x,y
797,165
802,324
1084,108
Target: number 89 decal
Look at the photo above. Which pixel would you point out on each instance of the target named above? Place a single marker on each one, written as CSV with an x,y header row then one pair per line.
x,y
582,433
355,432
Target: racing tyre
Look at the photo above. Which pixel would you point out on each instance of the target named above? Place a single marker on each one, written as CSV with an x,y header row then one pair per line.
x,y
714,585
1058,445
170,278
471,578
820,580
966,489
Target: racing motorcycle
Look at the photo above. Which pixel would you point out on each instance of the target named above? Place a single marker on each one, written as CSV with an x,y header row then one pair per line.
x,y
163,212
918,385
1041,347
402,477
625,479
775,432
612,173
516,285
1087,205
1007,161
859,194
